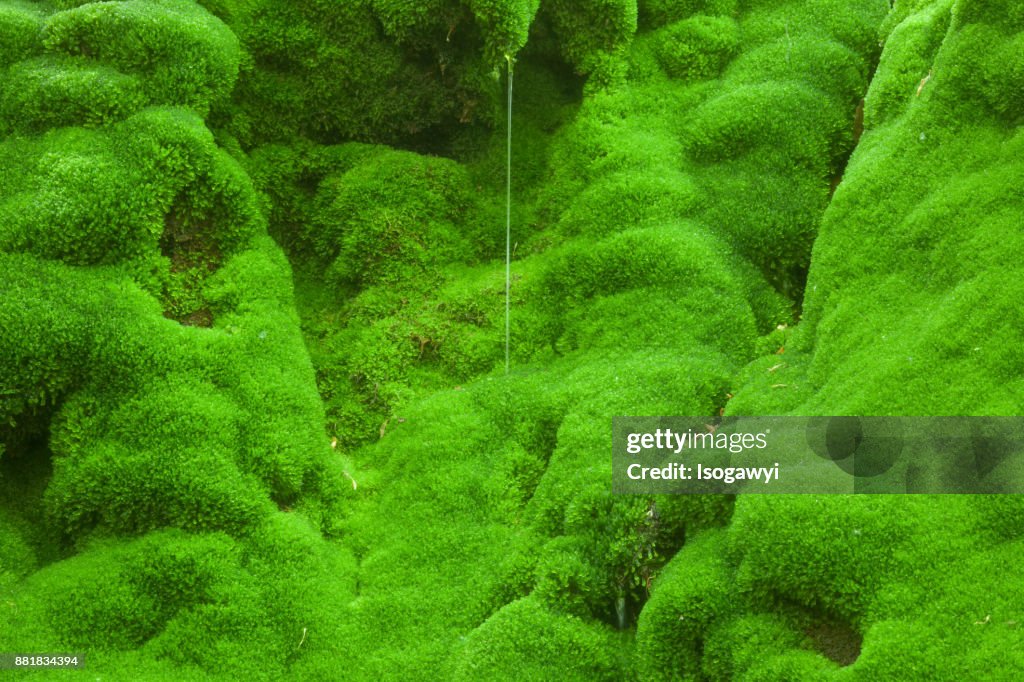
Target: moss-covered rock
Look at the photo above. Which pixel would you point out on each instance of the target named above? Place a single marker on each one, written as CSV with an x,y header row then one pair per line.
x,y
255,414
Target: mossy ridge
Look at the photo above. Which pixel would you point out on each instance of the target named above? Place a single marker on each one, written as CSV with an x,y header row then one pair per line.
x,y
116,474
147,597
938,202
102,62
910,309
153,428
893,577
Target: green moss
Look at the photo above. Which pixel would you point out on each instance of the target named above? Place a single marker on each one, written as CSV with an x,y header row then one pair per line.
x,y
854,26
186,55
750,642
656,13
390,219
697,47
20,23
944,626
907,59
831,67
692,593
127,185
742,120
503,23
17,559
526,641
54,91
831,553
169,499
374,71
593,35
929,193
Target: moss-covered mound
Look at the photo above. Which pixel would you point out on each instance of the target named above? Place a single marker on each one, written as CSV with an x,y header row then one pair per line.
x,y
255,421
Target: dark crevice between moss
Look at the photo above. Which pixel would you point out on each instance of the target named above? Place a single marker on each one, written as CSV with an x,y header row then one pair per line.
x,y
835,640
194,255
857,130
26,467
797,279
652,547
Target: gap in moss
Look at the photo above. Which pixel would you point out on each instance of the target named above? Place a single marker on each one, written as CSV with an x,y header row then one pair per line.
x,y
857,129
26,467
835,640
187,241
798,286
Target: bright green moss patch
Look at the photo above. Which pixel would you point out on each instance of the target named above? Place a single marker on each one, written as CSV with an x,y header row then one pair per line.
x,y
186,55
524,640
55,91
20,23
698,47
390,218
907,60
933,210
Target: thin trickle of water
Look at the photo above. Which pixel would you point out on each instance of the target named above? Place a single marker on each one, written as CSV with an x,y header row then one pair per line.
x,y
508,220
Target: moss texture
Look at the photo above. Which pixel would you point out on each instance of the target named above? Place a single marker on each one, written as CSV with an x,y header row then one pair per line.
x,y
254,419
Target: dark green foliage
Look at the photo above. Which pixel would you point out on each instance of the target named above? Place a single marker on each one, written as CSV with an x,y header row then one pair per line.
x,y
17,559
593,34
503,23
376,71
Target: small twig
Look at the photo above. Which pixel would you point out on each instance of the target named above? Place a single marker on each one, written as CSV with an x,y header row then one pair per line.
x,y
355,486
924,81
